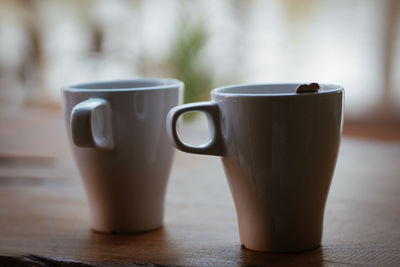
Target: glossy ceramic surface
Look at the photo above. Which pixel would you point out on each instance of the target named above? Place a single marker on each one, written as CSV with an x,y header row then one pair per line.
x,y
279,153
117,134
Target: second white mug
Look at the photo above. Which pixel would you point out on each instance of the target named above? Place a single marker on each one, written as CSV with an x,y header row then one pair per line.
x,y
118,137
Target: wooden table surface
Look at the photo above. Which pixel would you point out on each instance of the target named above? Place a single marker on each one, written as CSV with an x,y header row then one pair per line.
x,y
44,216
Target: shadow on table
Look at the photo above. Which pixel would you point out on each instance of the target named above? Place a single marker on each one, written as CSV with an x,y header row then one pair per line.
x,y
141,248
312,257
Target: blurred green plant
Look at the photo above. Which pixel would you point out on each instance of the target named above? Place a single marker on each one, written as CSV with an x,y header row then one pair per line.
x,y
186,61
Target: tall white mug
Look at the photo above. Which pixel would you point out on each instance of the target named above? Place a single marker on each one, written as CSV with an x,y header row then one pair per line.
x,y
119,141
279,150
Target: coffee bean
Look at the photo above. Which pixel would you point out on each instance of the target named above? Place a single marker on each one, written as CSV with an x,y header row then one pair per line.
x,y
307,88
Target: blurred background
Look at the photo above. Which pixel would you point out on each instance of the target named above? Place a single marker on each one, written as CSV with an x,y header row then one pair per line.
x,y
47,44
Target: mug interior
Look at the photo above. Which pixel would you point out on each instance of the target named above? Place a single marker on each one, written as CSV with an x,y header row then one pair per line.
x,y
271,89
147,83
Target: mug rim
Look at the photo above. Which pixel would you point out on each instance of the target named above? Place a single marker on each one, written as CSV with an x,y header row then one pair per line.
x,y
159,84
225,90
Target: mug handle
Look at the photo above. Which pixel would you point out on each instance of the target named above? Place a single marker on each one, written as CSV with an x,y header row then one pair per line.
x,y
91,124
214,145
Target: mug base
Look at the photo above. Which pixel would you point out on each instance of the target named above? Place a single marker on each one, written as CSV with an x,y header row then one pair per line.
x,y
126,232
272,250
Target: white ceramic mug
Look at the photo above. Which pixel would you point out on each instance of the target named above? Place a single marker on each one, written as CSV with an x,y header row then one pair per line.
x,y
279,152
118,137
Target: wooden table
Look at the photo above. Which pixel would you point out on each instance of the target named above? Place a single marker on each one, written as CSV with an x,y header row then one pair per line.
x,y
44,215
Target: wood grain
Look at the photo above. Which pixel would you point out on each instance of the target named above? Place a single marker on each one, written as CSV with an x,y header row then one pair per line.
x,y
44,215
